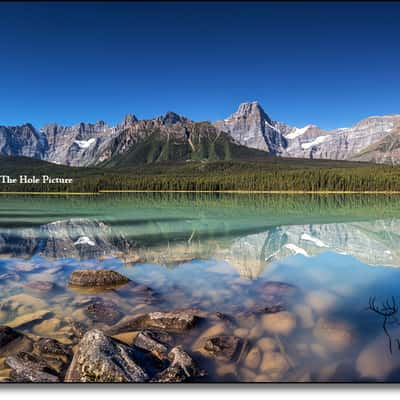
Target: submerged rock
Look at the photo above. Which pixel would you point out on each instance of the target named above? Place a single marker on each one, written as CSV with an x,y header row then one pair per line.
x,y
253,358
305,315
376,362
268,344
103,311
29,368
275,364
214,330
275,288
48,327
241,332
25,300
321,301
12,342
77,327
141,293
97,278
30,318
271,308
8,335
281,323
226,347
336,335
41,286
181,369
249,318
227,319
174,321
24,267
100,358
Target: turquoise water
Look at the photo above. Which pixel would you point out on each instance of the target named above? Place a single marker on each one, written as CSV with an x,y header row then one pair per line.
x,y
215,253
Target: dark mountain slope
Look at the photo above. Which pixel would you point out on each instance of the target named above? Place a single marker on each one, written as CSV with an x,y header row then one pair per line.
x,y
179,141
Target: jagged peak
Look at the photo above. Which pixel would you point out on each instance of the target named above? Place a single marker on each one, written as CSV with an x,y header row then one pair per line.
x,y
252,108
28,125
22,126
249,106
129,119
170,118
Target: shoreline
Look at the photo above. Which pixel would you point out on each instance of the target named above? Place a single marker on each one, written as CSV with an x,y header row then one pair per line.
x,y
105,191
52,193
252,191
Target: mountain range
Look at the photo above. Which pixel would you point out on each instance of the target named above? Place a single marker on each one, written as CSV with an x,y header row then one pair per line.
x,y
249,133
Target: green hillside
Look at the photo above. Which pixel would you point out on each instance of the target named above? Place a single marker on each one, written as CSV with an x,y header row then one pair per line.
x,y
201,142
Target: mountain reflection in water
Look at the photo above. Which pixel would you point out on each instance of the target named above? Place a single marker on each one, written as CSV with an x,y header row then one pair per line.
x,y
214,252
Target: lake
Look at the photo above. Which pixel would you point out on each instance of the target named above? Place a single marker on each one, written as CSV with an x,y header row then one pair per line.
x,y
310,284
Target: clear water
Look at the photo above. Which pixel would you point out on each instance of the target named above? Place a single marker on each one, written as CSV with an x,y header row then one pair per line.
x,y
214,253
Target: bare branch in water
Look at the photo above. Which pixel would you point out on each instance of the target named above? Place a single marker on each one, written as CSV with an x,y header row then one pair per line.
x,y
388,311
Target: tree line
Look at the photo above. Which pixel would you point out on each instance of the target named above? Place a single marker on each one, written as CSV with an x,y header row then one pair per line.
x,y
251,178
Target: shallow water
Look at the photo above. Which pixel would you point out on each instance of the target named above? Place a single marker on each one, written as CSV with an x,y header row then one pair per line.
x,y
215,253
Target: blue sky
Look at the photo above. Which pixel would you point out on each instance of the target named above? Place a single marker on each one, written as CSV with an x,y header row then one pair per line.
x,y
325,63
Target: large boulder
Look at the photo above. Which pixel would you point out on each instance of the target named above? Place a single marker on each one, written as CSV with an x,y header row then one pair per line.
x,y
154,342
97,278
100,358
57,355
174,321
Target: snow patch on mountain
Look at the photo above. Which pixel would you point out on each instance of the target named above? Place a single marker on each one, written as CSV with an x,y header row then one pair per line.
x,y
298,132
84,240
296,249
84,144
316,241
268,125
317,141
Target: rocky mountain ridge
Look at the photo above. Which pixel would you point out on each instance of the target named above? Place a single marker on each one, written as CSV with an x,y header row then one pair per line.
x,y
374,139
174,137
